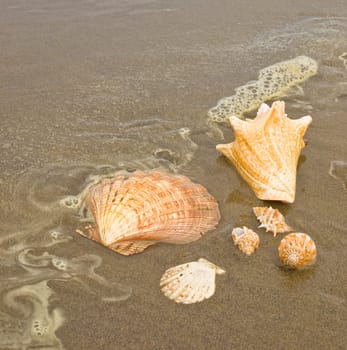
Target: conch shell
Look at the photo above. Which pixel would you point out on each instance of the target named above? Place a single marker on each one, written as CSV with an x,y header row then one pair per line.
x,y
297,250
271,219
266,151
246,239
191,282
136,211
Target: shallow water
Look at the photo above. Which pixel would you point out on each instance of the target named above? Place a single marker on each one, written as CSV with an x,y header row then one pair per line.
x,y
89,88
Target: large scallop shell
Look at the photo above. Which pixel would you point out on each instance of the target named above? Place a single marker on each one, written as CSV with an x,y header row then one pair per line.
x,y
136,211
191,282
266,151
297,250
246,239
271,219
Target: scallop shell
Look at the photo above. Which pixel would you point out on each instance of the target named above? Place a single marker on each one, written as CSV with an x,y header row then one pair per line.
x,y
271,219
246,239
136,211
191,282
297,250
266,151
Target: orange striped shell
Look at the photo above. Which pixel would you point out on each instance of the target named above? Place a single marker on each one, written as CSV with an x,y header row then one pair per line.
x,y
136,211
297,250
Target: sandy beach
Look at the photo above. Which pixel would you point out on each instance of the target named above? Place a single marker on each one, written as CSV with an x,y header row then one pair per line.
x,y
88,88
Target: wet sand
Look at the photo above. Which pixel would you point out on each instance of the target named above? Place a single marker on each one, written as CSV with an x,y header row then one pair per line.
x,y
88,88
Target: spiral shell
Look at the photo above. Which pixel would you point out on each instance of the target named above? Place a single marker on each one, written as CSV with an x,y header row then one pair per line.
x,y
271,219
191,282
297,250
246,239
135,211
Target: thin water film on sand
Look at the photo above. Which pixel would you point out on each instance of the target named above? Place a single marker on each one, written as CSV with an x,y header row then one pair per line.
x,y
50,196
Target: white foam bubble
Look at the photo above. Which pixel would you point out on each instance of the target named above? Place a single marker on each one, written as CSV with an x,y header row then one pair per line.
x,y
71,202
60,264
57,237
273,82
38,321
27,295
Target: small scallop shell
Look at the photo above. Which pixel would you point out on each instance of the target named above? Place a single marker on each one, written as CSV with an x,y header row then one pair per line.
x,y
297,250
191,282
246,239
271,219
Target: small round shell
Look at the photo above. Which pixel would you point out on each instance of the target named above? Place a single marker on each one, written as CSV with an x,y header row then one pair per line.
x,y
297,250
246,239
191,282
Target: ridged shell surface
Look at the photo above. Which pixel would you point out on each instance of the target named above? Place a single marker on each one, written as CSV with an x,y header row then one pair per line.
x,y
271,219
136,211
266,151
246,239
191,282
297,250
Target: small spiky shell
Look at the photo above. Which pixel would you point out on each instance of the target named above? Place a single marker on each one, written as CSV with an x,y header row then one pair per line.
x,y
266,151
191,282
297,250
246,239
271,219
136,211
